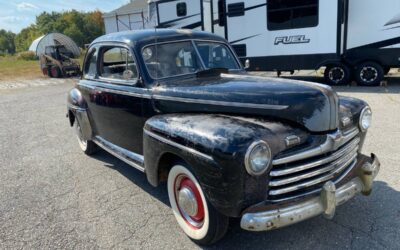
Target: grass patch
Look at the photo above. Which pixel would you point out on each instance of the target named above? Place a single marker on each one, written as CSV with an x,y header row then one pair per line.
x,y
12,68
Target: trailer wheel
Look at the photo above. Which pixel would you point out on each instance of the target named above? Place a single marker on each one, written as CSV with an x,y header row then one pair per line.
x,y
337,74
55,72
369,74
45,71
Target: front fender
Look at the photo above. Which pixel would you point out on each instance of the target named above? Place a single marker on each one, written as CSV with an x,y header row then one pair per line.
x,y
214,147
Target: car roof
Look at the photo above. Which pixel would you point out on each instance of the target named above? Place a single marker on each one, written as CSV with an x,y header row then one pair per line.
x,y
144,37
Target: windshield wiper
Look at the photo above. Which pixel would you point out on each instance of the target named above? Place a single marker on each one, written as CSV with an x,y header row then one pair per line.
x,y
211,72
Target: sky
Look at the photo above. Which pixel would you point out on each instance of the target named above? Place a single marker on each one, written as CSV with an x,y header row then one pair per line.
x,y
16,15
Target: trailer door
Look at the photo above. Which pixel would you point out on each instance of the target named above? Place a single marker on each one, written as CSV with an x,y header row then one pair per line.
x,y
177,14
284,34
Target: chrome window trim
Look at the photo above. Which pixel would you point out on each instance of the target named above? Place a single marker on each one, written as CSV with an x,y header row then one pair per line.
x,y
193,42
114,91
129,82
333,142
121,153
177,145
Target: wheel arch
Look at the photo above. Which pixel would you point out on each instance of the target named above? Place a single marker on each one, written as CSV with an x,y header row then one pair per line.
x,y
165,163
327,63
368,60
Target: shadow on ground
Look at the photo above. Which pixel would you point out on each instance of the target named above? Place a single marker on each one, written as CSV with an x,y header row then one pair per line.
x,y
358,222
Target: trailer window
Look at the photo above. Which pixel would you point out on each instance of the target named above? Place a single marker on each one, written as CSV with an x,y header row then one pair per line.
x,y
181,9
292,14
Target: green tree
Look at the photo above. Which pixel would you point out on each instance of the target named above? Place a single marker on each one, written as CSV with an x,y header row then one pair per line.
x,y
24,39
82,27
7,42
48,22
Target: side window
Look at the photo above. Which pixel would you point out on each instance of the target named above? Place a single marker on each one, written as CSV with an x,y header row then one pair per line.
x,y
90,71
117,63
181,9
292,14
216,55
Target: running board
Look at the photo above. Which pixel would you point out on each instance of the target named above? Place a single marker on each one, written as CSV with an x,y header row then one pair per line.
x,y
130,158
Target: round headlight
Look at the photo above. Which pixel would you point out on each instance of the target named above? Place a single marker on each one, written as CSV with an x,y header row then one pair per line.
x,y
365,119
258,158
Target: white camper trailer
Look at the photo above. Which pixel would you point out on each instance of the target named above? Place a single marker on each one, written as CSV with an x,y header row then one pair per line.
x,y
351,38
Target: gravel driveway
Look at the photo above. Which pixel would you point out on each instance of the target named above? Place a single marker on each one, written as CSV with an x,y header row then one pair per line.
x,y
53,196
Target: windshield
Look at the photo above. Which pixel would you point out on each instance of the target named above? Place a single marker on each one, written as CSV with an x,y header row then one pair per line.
x,y
180,58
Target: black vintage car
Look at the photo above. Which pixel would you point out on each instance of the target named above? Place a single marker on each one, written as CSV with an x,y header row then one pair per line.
x,y
178,106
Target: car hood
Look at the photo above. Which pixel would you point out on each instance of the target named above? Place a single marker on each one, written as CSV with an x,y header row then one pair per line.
x,y
310,105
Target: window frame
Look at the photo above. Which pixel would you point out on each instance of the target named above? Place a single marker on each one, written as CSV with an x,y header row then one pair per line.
x,y
193,41
93,50
100,53
292,9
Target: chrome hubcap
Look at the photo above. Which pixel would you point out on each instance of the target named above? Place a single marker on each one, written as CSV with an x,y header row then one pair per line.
x,y
187,201
336,74
369,74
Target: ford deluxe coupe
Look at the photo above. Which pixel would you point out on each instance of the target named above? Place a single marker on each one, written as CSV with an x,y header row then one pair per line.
x,y
178,106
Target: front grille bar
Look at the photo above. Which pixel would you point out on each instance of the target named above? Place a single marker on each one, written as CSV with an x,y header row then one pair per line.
x,y
316,181
290,170
339,162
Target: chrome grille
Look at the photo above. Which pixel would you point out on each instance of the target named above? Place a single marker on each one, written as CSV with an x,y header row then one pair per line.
x,y
305,176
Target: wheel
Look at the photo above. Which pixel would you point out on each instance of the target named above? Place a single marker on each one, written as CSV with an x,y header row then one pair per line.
x,y
45,71
369,74
55,72
337,74
200,221
88,147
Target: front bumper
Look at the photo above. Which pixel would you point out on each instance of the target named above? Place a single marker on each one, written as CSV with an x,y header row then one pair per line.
x,y
326,203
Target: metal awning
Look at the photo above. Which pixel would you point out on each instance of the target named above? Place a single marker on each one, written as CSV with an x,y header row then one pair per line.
x,y
39,45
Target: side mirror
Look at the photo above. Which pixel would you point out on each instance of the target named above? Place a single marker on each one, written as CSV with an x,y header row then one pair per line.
x,y
247,64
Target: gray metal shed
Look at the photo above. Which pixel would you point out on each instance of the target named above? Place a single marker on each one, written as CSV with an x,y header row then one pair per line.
x,y
39,45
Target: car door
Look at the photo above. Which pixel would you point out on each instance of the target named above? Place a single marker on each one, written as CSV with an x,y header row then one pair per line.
x,y
114,96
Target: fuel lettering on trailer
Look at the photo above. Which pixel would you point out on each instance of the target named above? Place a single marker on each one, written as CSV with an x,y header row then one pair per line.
x,y
291,40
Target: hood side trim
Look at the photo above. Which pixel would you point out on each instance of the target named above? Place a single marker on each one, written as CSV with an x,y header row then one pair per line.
x,y
220,103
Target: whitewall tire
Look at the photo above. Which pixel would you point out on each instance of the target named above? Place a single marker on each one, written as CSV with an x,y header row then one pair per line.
x,y
195,215
88,147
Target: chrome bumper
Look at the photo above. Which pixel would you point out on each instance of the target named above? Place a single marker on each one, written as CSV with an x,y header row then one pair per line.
x,y
325,204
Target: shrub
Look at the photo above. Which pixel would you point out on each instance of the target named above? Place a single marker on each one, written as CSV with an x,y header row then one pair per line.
x,y
27,56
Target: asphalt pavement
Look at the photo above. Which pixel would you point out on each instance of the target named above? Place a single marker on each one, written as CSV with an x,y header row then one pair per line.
x,y
52,196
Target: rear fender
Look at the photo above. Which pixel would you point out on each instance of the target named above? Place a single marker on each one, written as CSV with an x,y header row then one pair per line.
x,y
78,112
